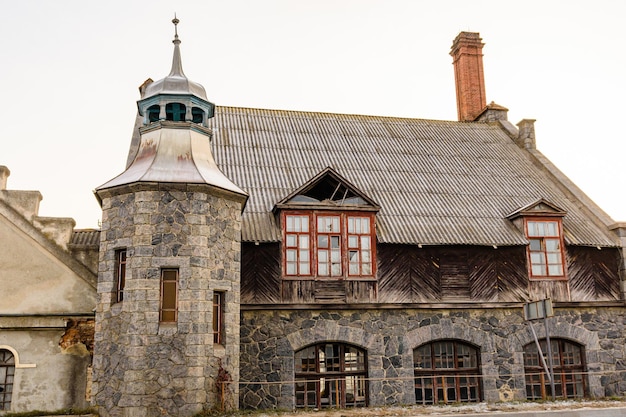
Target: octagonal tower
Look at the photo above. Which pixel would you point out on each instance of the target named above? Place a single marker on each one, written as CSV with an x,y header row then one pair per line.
x,y
167,318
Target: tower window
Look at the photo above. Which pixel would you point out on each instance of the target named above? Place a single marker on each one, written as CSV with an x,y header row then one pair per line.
x,y
169,295
153,113
197,115
120,274
175,112
218,317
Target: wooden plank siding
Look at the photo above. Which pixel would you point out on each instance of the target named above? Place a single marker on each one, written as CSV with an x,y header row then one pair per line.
x,y
434,274
593,273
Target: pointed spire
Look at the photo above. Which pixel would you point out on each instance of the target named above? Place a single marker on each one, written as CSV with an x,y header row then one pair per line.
x,y
177,64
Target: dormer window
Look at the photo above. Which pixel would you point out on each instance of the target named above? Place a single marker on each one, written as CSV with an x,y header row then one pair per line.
x,y
328,230
542,223
545,248
175,112
154,113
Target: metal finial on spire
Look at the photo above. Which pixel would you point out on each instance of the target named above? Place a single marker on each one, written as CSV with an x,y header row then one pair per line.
x,y
175,21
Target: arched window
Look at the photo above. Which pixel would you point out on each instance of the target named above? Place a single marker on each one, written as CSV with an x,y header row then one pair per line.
x,y
7,373
153,113
331,375
175,112
197,115
569,370
446,372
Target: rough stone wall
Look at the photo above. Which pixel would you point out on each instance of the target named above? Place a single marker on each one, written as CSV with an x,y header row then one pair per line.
x,y
270,338
143,367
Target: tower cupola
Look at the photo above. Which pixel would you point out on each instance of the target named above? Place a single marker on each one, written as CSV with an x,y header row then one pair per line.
x,y
175,97
174,138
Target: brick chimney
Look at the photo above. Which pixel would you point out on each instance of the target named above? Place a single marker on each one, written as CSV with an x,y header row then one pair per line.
x,y
467,55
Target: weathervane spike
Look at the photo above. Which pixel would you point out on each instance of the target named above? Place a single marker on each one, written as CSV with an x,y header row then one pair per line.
x,y
175,22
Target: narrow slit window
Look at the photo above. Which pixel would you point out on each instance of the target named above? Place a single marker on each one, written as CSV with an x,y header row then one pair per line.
x,y
218,317
169,295
120,274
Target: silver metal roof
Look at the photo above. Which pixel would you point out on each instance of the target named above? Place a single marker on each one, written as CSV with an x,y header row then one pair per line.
x,y
175,152
437,182
176,82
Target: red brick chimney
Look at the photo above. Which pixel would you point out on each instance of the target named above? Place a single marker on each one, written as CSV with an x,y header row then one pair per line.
x,y
467,55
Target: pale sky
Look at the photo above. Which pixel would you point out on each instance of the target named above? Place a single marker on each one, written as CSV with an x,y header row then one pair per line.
x,y
70,71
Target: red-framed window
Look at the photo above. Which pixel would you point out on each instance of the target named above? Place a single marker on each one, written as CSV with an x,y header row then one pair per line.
x,y
546,257
328,244
570,373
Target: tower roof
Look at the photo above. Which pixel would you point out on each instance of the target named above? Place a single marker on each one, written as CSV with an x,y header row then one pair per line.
x,y
176,82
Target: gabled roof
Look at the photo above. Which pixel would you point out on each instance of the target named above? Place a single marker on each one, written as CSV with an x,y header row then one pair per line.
x,y
437,182
539,207
328,189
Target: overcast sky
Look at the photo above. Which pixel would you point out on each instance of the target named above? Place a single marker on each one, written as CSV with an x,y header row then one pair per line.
x,y
70,71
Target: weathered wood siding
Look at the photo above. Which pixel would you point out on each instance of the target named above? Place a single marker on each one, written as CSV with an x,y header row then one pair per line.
x,y
409,274
593,273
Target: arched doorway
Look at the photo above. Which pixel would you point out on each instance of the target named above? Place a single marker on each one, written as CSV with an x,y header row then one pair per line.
x,y
446,371
569,370
331,375
7,373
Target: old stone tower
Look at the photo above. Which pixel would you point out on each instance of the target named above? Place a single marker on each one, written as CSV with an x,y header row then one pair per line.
x,y
167,318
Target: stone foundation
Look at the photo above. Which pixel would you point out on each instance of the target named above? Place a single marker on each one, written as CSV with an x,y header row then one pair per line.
x,y
270,338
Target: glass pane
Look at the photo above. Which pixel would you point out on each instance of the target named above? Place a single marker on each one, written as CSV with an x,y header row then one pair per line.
x,y
336,270
304,255
554,258
304,242
291,255
366,269
169,295
335,256
535,244
322,241
353,241
291,240
291,269
305,268
539,270
555,270
537,258
290,223
365,256
365,242
334,242
322,255
551,229
552,245
353,269
322,269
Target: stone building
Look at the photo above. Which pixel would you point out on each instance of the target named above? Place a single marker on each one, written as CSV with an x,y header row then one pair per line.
x,y
46,311
261,258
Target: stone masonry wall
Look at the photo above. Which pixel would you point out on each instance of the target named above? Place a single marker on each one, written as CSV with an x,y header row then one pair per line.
x,y
143,367
270,338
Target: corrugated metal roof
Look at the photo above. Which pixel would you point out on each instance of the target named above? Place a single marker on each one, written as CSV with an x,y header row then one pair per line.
x,y
438,182
85,237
